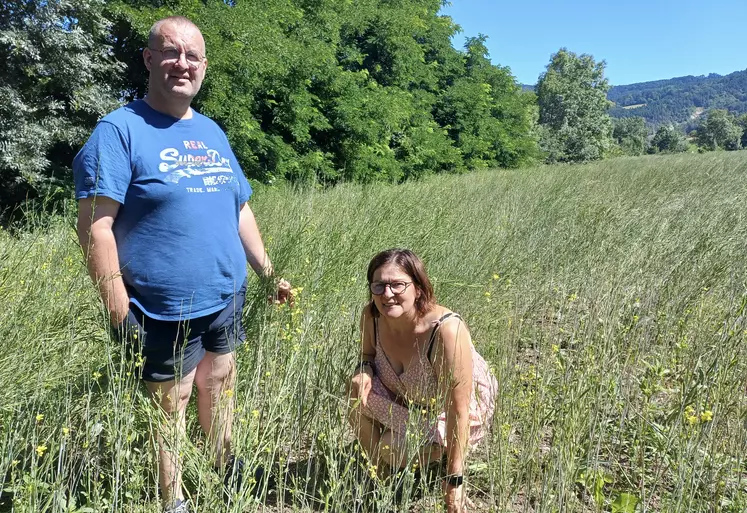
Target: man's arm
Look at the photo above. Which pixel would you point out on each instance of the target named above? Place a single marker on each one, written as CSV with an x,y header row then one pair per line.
x,y
95,220
252,242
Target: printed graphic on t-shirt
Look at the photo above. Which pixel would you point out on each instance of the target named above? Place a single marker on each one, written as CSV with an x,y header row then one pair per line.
x,y
196,160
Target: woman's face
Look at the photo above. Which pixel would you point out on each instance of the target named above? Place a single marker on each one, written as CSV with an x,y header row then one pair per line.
x,y
389,279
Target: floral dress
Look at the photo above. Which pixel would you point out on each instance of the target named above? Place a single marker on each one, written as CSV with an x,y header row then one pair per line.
x,y
408,402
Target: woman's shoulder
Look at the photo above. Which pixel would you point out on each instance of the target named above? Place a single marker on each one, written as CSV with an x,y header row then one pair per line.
x,y
450,323
441,314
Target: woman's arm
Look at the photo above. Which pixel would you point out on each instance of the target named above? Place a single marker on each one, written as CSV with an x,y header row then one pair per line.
x,y
453,365
368,344
364,369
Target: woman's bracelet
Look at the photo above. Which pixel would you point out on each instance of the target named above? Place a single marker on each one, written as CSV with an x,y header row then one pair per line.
x,y
455,480
364,363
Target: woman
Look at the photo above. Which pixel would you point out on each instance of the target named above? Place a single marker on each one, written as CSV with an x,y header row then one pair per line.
x,y
419,376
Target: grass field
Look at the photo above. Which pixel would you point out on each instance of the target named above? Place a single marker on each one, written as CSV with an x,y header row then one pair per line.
x,y
609,299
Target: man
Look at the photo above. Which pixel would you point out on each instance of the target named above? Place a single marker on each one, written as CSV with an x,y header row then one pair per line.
x,y
167,232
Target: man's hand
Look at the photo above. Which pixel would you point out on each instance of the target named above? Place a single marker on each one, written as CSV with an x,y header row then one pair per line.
x,y
360,386
119,312
283,293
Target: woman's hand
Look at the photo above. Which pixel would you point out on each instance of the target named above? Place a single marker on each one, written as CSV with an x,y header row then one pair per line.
x,y
360,385
455,499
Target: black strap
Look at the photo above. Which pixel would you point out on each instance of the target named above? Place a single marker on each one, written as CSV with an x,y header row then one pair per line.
x,y
432,340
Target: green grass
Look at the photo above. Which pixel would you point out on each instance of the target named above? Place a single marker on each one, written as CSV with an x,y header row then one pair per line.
x,y
608,298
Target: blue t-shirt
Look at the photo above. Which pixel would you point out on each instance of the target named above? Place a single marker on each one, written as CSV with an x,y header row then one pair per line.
x,y
180,189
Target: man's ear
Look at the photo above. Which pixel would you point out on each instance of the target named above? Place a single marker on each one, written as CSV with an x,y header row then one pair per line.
x,y
147,57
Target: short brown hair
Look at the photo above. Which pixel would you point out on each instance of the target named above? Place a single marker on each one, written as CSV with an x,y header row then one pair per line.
x,y
175,20
413,266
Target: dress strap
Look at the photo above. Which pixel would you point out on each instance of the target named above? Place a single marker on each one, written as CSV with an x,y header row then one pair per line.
x,y
376,331
432,340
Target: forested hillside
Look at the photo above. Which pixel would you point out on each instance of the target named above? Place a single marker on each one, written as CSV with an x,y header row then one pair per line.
x,y
680,100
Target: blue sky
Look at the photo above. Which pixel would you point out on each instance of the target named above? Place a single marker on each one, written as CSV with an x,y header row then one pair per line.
x,y
640,40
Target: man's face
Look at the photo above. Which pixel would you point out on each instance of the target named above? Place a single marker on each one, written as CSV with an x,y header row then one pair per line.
x,y
176,61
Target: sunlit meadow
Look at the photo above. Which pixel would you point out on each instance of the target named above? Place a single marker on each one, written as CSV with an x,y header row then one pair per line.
x,y
609,300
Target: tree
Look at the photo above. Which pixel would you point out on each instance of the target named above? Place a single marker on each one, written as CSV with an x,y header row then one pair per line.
x,y
572,99
668,139
487,115
743,125
56,64
630,134
719,129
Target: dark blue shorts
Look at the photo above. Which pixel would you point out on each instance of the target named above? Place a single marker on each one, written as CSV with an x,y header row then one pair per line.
x,y
172,349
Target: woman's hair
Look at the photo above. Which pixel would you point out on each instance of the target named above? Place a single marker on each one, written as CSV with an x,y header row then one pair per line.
x,y
413,266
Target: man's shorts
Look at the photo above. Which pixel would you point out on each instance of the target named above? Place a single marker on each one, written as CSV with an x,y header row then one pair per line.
x,y
172,349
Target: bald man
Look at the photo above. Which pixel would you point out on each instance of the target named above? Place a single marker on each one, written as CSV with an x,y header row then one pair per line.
x,y
167,232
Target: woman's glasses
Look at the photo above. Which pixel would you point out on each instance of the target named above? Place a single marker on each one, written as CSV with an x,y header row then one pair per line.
x,y
397,287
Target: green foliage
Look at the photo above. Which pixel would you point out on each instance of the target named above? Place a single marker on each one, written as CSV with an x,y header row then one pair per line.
x,y
630,134
742,121
56,65
668,139
328,91
487,114
625,503
306,90
571,95
719,129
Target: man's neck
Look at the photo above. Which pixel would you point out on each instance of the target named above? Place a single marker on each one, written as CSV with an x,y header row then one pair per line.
x,y
179,110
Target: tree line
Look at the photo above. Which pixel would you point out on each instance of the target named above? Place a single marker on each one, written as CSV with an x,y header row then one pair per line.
x,y
306,90
717,129
310,91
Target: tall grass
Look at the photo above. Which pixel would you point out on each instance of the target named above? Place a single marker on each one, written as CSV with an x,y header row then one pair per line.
x,y
608,298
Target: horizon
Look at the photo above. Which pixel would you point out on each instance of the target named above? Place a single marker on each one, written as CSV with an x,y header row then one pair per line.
x,y
706,75
639,41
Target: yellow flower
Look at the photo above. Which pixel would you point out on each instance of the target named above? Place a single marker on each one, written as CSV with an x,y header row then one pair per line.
x,y
41,449
555,348
496,277
255,413
706,416
65,431
690,416
96,375
39,417
228,393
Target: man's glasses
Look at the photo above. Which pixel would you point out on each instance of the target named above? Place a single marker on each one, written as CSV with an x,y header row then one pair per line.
x,y
397,287
194,59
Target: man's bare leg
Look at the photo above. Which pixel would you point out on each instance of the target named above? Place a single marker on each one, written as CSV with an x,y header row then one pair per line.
x,y
216,375
172,397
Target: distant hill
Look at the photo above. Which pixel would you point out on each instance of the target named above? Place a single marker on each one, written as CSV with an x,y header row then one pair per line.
x,y
679,100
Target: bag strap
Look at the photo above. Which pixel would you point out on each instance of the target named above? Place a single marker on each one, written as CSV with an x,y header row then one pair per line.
x,y
432,340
